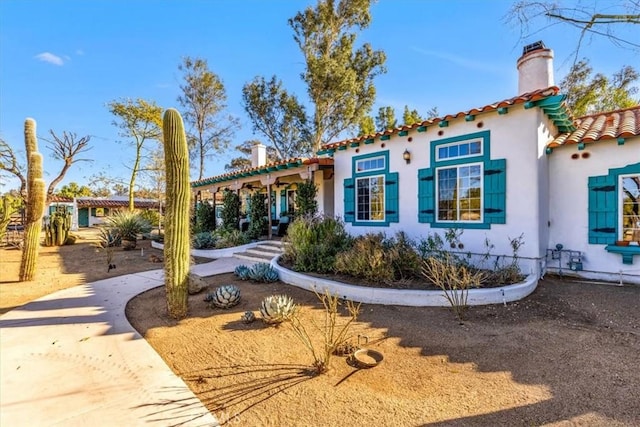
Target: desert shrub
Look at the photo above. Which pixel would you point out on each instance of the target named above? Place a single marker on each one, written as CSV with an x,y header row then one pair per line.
x,y
454,279
230,238
403,257
203,240
230,210
314,243
334,332
128,224
204,218
306,198
257,215
366,259
151,216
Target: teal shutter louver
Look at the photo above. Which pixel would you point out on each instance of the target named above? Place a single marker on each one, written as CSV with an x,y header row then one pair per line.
x,y
392,197
495,191
426,196
283,202
349,200
602,209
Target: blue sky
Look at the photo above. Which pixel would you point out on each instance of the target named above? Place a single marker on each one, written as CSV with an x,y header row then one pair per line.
x,y
62,61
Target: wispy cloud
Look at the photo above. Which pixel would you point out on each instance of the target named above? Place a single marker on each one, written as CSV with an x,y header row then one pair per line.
x,y
50,58
79,52
461,61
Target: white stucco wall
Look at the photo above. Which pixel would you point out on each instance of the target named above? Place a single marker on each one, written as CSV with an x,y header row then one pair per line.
x,y
514,136
568,195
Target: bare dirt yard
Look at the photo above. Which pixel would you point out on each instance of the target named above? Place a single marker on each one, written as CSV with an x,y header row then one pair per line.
x,y
568,355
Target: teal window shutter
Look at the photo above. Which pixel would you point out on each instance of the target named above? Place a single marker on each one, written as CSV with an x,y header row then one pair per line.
x,y
349,200
495,191
602,209
426,196
283,202
392,197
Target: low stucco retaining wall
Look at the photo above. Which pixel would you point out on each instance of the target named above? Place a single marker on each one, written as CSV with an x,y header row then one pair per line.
x,y
212,253
416,298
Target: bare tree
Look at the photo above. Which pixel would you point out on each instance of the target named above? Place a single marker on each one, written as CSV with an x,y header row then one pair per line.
x,y
66,149
534,17
9,163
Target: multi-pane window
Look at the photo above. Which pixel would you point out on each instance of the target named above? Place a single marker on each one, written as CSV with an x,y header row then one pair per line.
x,y
372,164
459,193
630,212
459,150
370,198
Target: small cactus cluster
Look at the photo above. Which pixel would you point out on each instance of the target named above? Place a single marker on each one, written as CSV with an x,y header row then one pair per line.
x,y
276,309
260,272
56,229
225,296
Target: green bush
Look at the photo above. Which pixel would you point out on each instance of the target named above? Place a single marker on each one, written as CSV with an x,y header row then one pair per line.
x,y
152,217
230,238
231,210
404,259
204,218
204,240
306,198
314,243
257,215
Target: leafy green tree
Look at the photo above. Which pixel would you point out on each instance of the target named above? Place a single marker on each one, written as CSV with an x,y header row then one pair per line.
x,y
339,75
278,116
411,117
257,215
72,190
367,126
244,161
386,119
204,101
141,121
591,94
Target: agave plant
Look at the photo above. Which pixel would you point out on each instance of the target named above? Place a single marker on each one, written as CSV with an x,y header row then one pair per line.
x,y
128,225
224,296
276,309
242,271
263,272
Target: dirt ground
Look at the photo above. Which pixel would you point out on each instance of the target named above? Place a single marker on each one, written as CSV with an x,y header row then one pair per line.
x,y
568,355
65,266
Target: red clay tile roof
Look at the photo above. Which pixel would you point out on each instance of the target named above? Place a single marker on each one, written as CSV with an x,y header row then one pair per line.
x,y
610,125
88,202
520,99
282,164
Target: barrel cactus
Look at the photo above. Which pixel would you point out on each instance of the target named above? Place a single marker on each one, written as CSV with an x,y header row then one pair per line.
x,y
177,242
248,317
242,271
224,296
276,309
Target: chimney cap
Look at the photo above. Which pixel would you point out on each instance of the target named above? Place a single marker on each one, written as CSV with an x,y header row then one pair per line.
x,y
539,45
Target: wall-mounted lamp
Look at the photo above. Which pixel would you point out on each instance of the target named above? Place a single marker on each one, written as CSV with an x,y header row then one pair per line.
x,y
406,156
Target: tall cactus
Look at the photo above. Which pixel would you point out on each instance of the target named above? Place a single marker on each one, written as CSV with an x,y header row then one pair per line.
x,y
36,197
176,236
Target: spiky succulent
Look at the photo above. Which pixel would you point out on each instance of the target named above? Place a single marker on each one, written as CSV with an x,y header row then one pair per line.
x,y
262,272
271,275
224,296
248,317
276,309
242,271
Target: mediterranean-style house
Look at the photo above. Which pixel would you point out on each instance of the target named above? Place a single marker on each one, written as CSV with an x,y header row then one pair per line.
x,y
92,211
522,169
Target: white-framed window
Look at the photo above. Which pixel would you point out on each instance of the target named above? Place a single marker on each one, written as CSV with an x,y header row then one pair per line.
x,y
370,198
459,150
459,190
372,164
629,218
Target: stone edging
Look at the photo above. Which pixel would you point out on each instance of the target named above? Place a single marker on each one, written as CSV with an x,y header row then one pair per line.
x,y
416,298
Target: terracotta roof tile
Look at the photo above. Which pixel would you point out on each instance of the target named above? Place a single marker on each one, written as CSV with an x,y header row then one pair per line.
x,y
520,99
610,125
294,162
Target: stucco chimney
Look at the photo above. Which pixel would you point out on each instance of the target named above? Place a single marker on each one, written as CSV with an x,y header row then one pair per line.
x,y
258,155
535,68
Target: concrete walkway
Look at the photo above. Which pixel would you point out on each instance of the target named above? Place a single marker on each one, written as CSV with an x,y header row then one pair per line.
x,y
72,359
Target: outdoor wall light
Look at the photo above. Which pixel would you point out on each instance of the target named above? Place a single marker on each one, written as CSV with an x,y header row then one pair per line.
x,y
406,156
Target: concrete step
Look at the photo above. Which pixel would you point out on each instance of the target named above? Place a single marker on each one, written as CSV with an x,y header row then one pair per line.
x,y
253,257
272,243
262,253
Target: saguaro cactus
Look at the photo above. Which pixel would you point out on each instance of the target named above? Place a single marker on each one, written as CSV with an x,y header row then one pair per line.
x,y
36,197
176,236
